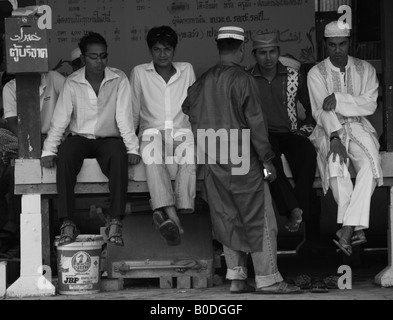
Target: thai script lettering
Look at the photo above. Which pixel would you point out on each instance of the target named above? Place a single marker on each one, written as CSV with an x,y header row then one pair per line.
x,y
18,52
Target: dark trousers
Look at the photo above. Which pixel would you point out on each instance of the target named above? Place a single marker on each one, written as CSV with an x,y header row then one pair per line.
x,y
301,157
111,155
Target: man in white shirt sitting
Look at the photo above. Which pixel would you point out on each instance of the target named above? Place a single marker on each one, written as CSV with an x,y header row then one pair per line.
x,y
95,105
158,91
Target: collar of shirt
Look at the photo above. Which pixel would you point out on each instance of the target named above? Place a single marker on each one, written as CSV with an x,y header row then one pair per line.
x,y
281,70
333,67
80,75
179,69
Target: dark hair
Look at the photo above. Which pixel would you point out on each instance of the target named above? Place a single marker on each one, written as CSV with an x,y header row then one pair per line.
x,y
91,38
6,77
163,35
228,44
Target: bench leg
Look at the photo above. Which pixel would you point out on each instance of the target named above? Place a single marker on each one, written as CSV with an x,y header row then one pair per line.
x,y
385,277
31,282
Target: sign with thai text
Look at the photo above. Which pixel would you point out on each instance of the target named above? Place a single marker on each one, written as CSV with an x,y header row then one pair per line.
x,y
26,45
125,24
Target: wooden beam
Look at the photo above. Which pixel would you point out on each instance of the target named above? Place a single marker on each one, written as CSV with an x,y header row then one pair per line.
x,y
29,115
387,67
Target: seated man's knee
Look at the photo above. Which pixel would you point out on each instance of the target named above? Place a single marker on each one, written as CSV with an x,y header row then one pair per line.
x,y
151,147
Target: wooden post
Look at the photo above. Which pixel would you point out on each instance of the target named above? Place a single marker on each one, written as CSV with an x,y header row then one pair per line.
x,y
385,277
387,67
29,115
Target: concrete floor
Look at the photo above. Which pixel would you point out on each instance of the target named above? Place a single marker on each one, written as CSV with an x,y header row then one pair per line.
x,y
364,268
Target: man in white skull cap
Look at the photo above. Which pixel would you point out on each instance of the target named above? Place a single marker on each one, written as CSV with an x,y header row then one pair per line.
x,y
343,92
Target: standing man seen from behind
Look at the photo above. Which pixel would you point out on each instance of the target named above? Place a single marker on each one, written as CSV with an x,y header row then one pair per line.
x,y
344,91
95,104
281,88
158,91
226,100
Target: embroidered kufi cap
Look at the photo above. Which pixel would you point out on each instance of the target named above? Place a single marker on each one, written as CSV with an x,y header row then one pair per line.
x,y
231,32
265,41
337,29
75,54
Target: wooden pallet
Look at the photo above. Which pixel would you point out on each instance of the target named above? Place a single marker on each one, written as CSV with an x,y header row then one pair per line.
x,y
146,255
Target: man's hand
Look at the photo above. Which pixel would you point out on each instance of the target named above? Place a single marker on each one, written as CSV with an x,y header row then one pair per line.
x,y
133,159
337,148
48,162
271,171
330,103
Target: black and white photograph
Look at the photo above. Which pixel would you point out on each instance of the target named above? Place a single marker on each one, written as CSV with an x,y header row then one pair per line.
x,y
196,157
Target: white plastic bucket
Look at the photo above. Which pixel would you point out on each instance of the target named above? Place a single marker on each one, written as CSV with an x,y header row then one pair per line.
x,y
78,265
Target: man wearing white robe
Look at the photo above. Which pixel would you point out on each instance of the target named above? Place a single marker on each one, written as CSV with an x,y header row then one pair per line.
x,y
343,92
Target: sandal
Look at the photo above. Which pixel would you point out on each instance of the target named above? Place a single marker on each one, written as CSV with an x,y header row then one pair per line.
x,y
318,286
303,282
279,288
343,243
358,238
68,233
331,282
113,232
343,246
245,289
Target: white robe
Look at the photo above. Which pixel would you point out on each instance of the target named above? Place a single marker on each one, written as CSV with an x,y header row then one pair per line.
x,y
356,97
356,92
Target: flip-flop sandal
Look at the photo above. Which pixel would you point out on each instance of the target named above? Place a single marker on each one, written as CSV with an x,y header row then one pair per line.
x,y
319,286
358,239
331,282
170,232
280,288
343,246
247,289
294,227
303,282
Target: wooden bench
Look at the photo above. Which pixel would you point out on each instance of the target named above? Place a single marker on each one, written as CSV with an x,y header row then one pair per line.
x,y
35,183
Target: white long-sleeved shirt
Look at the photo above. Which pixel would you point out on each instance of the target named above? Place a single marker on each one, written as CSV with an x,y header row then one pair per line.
x,y
356,91
156,103
108,115
50,88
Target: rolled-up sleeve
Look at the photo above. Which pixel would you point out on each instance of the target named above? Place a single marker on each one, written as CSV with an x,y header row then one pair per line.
x,y
60,121
124,117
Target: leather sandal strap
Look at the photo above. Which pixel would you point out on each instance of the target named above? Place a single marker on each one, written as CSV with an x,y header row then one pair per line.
x,y
67,224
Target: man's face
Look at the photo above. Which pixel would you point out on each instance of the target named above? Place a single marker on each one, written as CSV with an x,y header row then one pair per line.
x,y
162,55
95,58
267,58
337,49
